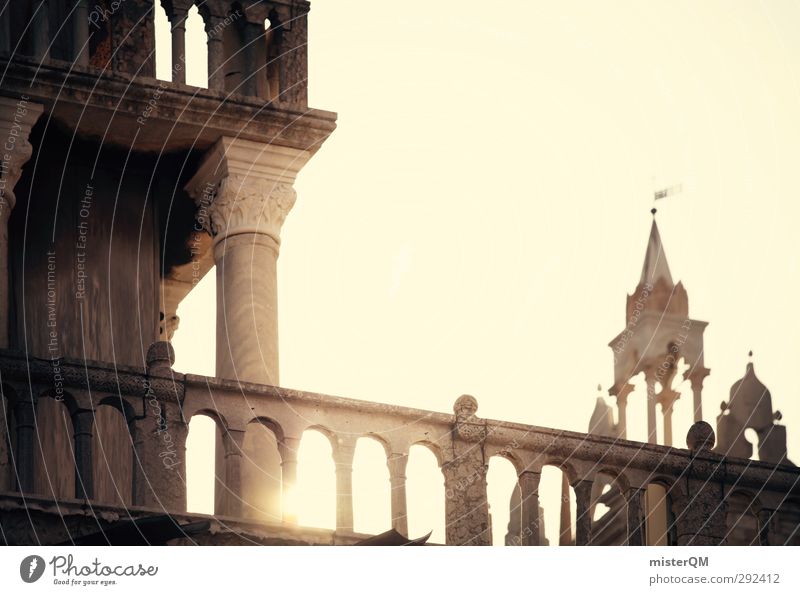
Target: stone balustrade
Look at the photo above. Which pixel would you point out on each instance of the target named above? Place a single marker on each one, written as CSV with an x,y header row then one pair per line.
x,y
256,49
158,405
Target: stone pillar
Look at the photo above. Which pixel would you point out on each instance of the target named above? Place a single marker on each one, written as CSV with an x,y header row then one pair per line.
x,y
244,192
397,463
583,515
25,418
255,51
667,399
231,504
466,505
216,52
177,21
652,432
697,395
288,450
82,423
529,507
159,472
5,30
80,33
622,405
39,30
635,503
765,516
16,119
343,458
699,504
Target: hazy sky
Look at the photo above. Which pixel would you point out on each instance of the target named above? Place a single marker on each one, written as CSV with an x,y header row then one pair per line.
x,y
479,215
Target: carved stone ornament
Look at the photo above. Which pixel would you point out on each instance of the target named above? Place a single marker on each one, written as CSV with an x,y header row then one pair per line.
x,y
245,204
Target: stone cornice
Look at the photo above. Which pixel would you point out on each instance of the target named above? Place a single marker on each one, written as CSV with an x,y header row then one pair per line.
x,y
184,117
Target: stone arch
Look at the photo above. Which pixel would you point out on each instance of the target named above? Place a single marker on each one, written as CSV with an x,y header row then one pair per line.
x,y
261,470
434,448
503,496
608,507
205,461
425,491
196,59
316,478
371,485
742,517
558,502
113,451
53,444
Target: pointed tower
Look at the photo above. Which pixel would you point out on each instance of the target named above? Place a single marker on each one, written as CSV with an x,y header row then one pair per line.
x,y
657,334
750,407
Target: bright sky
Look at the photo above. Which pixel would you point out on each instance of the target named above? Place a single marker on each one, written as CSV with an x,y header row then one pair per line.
x,y
479,215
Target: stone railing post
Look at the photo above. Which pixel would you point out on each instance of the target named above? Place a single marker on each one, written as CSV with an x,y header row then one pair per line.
x,y
177,20
231,504
288,451
244,192
82,423
699,504
39,30
529,507
583,516
216,52
16,119
160,447
25,418
466,505
343,459
635,501
765,516
397,463
80,33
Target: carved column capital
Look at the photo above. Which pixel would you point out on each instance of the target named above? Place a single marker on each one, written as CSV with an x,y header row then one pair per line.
x,y
245,187
17,117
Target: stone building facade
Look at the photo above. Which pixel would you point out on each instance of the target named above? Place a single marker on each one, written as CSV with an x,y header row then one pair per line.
x,y
119,192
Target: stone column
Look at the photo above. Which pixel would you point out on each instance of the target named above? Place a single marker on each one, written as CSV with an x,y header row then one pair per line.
x,y
177,21
231,504
25,418
697,395
16,119
82,423
765,516
583,517
397,463
529,507
652,432
244,192
667,399
39,30
5,30
466,505
80,33
288,450
343,459
255,52
216,53
622,405
635,501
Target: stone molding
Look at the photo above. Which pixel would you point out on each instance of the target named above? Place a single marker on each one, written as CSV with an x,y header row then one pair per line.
x,y
17,117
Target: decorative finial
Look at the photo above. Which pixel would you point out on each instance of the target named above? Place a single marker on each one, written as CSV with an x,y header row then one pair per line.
x,y
654,211
750,355
599,388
